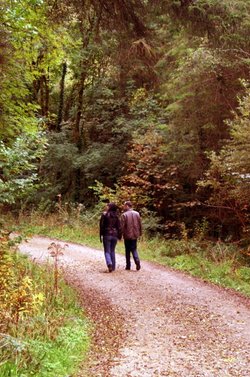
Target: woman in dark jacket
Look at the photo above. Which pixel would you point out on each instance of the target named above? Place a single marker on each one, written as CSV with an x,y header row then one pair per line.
x,y
110,232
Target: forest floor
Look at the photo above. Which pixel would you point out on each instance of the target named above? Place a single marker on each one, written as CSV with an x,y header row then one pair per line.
x,y
156,321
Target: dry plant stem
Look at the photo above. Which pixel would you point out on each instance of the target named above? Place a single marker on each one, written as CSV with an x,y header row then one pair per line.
x,y
56,250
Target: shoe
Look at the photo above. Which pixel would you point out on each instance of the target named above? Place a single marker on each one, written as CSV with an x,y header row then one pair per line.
x,y
127,268
110,267
138,266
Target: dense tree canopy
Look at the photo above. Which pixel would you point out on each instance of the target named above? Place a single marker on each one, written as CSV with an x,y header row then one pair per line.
x,y
148,98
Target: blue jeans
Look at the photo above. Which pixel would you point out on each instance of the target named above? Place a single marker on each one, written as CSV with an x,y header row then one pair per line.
x,y
131,246
109,243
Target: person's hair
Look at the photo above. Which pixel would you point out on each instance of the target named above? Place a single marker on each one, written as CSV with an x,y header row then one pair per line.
x,y
128,203
112,207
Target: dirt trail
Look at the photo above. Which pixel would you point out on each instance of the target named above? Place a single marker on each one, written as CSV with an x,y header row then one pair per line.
x,y
155,322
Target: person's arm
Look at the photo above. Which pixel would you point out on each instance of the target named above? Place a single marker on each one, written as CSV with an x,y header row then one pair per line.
x,y
119,229
140,224
101,227
122,222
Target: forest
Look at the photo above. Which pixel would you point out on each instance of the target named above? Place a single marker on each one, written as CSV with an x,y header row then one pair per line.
x,y
115,99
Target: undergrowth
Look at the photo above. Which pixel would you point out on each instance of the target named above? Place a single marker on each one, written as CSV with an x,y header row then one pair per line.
x,y
43,330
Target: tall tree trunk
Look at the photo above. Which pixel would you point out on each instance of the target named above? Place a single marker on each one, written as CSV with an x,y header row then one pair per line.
x,y
77,131
43,88
61,98
42,96
85,63
46,102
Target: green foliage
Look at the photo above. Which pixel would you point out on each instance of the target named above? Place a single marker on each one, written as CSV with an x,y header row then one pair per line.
x,y
200,89
228,178
236,153
102,161
48,358
201,229
34,52
18,110
224,23
19,168
59,165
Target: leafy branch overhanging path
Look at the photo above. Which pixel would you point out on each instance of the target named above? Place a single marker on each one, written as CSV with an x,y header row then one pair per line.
x,y
155,322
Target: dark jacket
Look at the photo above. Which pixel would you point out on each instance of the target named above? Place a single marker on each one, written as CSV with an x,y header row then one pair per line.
x,y
131,225
110,225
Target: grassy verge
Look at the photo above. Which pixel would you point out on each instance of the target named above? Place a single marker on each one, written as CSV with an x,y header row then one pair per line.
x,y
221,263
43,333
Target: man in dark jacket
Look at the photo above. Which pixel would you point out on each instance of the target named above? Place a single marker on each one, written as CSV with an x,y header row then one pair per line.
x,y
131,230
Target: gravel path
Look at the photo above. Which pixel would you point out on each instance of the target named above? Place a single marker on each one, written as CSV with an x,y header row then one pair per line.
x,y
155,322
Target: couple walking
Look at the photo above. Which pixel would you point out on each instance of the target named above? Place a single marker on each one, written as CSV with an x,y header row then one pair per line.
x,y
112,228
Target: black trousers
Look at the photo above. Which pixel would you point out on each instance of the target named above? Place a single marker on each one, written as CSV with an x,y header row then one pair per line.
x,y
131,247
